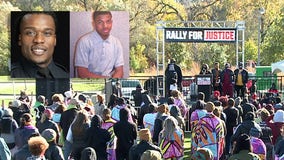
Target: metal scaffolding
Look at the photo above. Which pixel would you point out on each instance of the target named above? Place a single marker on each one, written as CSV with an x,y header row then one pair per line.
x,y
160,42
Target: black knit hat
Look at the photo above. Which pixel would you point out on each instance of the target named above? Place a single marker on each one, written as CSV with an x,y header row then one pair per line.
x,y
249,116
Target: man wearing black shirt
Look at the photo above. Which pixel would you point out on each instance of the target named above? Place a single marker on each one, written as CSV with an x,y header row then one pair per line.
x,y
37,40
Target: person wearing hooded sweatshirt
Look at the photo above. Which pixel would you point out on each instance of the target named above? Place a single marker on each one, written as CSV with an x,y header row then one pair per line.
x,y
97,137
108,125
126,133
258,146
8,126
243,149
244,128
53,152
144,108
66,119
145,143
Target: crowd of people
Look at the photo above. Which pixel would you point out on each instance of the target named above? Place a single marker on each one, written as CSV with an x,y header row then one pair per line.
x,y
76,127
240,128
79,127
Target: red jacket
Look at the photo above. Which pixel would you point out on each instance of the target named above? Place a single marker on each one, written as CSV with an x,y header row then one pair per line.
x,y
275,127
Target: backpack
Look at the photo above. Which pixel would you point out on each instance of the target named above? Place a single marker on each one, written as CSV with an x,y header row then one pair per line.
x,y
9,137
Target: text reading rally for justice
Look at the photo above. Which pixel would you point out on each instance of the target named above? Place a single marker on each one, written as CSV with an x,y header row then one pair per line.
x,y
200,35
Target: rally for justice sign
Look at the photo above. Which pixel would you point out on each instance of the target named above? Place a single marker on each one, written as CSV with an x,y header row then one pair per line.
x,y
200,34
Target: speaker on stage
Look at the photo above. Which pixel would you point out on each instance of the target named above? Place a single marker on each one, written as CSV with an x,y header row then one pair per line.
x,y
204,83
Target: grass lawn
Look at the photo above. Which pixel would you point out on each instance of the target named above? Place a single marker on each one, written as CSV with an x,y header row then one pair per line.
x,y
187,142
11,86
14,86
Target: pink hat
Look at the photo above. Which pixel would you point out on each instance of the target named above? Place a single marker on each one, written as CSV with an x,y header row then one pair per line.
x,y
216,94
48,113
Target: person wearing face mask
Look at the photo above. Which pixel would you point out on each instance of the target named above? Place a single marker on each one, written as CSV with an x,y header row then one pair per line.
x,y
36,35
98,53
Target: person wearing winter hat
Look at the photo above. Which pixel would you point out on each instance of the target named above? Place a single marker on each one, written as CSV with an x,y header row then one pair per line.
x,y
279,116
275,122
258,146
145,143
216,95
49,135
53,151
